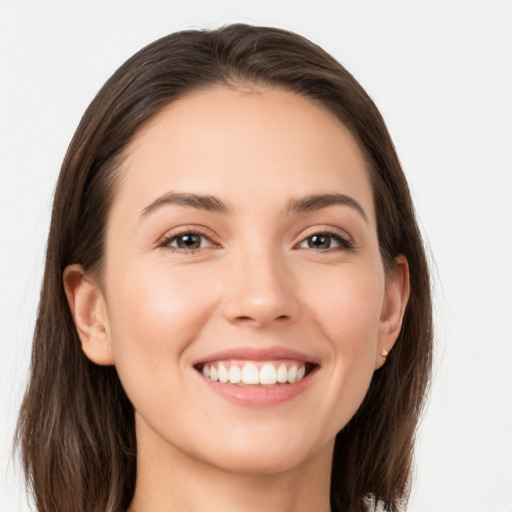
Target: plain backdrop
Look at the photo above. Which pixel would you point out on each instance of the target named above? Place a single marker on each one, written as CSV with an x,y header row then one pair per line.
x,y
441,73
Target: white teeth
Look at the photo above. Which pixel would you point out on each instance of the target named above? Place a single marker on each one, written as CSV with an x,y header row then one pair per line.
x,y
282,374
235,375
268,374
250,374
223,374
292,374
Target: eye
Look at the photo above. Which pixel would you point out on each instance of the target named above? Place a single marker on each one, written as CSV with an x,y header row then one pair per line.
x,y
325,241
187,242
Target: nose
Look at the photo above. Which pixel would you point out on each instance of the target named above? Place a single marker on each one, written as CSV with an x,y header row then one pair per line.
x,y
260,291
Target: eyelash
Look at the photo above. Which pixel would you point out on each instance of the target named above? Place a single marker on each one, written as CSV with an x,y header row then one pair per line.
x,y
168,239
344,241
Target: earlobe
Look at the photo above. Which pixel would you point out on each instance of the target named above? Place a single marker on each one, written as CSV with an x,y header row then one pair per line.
x,y
89,312
397,295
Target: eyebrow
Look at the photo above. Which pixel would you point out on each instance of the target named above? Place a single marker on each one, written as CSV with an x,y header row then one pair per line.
x,y
201,202
213,204
318,201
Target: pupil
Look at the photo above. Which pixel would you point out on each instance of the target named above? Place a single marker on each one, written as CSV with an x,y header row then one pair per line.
x,y
189,241
320,242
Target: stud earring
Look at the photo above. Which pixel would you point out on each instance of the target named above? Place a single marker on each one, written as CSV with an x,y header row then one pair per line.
x,y
384,353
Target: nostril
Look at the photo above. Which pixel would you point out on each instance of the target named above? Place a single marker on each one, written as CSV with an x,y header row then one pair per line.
x,y
247,308
244,318
247,318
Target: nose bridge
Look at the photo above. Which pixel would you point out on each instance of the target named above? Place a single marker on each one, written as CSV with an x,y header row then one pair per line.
x,y
261,286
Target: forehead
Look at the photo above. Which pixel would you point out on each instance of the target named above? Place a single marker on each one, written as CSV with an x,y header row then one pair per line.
x,y
242,144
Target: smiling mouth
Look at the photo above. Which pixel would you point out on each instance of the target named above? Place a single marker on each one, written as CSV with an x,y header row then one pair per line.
x,y
256,373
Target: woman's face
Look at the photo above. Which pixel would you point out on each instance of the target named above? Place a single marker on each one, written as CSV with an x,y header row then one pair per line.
x,y
242,244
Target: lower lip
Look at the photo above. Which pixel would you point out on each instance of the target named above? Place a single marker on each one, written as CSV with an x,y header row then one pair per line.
x,y
259,396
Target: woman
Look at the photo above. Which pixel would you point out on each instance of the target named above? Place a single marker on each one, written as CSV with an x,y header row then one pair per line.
x,y
235,312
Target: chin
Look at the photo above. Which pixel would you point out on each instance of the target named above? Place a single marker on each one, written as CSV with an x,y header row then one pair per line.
x,y
260,462
259,453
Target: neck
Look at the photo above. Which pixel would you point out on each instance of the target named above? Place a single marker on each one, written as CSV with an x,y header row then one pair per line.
x,y
169,479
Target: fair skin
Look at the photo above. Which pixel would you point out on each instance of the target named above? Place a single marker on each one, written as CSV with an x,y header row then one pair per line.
x,y
261,275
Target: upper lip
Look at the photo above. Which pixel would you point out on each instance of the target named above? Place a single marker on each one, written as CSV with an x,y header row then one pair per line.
x,y
257,354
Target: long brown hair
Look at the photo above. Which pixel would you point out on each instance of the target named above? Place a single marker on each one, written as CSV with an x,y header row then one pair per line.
x,y
76,425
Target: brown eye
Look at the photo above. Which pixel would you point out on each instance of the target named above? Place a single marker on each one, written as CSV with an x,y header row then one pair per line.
x,y
188,242
319,242
325,241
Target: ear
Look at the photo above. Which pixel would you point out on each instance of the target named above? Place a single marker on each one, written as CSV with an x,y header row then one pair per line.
x,y
89,311
395,301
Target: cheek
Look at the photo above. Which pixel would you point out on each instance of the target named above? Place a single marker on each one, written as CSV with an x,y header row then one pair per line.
x,y
347,313
153,314
347,306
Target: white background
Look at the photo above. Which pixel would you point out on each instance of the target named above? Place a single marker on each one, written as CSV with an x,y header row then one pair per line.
x,y
441,74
